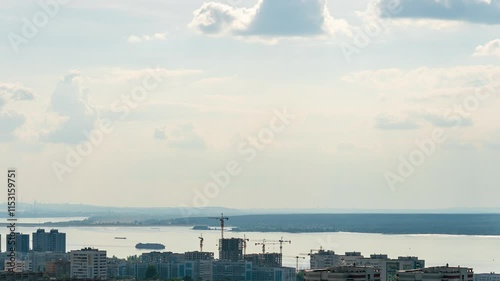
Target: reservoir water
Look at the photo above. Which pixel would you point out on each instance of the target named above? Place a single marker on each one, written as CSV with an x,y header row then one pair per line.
x,y
479,252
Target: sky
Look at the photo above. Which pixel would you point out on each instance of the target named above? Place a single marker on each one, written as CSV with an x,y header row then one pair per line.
x,y
382,104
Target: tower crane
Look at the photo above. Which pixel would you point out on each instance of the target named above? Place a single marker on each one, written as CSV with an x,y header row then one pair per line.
x,y
273,242
245,239
201,242
221,219
281,241
297,262
263,243
315,250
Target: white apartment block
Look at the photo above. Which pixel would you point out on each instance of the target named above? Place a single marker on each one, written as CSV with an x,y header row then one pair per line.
x,y
438,273
327,258
343,273
492,276
388,267
88,263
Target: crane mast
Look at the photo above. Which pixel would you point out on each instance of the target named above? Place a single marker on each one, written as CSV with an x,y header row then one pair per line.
x,y
221,219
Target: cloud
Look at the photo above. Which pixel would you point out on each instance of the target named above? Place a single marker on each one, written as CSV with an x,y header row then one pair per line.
x,y
415,119
15,91
268,19
120,75
71,105
9,122
491,48
427,84
476,11
183,136
392,122
143,38
216,18
290,18
441,119
160,133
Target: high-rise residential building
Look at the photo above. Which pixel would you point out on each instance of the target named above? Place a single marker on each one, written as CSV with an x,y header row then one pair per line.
x,y
53,241
343,273
88,263
40,241
19,241
492,276
441,273
231,249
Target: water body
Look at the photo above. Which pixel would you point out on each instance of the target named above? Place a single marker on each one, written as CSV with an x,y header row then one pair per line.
x,y
479,252
49,219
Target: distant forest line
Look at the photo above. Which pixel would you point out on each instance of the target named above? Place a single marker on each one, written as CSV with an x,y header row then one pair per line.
x,y
453,224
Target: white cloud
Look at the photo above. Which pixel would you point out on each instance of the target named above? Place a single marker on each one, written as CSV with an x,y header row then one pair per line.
x,y
119,75
15,91
216,18
143,38
387,14
160,133
9,122
476,11
442,117
268,20
440,25
75,114
491,48
425,84
10,119
395,122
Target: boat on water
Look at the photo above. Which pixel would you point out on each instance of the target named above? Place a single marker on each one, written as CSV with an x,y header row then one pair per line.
x,y
150,246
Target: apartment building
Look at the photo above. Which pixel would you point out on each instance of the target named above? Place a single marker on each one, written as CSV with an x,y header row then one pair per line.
x,y
88,263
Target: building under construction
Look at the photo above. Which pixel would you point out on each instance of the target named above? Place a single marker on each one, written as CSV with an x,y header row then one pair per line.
x,y
195,256
234,264
231,249
266,259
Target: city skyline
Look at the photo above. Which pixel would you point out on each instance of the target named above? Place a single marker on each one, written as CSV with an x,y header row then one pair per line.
x,y
252,104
